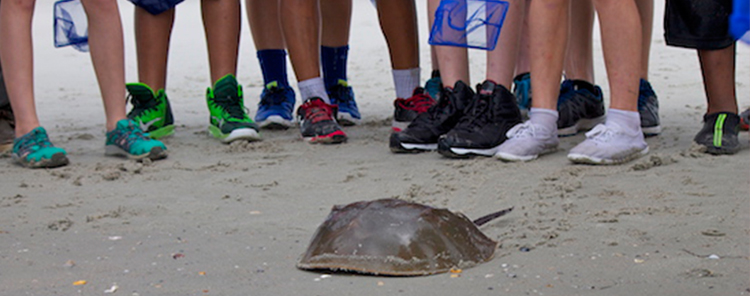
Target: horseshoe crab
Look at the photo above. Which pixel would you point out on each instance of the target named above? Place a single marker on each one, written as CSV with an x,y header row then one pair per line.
x,y
397,238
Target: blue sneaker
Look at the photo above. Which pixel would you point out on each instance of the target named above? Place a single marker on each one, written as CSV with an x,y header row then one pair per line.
x,y
522,91
34,150
342,95
275,107
434,85
648,109
127,139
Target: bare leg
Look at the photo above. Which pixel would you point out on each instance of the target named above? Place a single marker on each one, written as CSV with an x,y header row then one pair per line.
x,y
646,12
221,20
301,30
336,16
548,34
717,67
398,21
17,60
622,50
501,62
579,57
107,54
152,35
262,14
523,61
452,61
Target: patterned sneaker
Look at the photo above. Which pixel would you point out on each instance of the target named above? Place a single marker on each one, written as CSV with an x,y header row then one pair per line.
x,y
434,85
484,125
128,140
318,124
405,110
151,110
276,107
745,119
580,106
522,91
719,133
526,141
423,133
34,150
229,120
608,144
342,95
7,129
648,108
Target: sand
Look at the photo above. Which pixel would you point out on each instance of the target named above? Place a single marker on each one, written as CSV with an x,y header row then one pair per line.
x,y
217,219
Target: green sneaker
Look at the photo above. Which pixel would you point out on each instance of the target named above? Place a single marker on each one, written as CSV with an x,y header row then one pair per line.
x,y
229,120
151,110
34,150
127,139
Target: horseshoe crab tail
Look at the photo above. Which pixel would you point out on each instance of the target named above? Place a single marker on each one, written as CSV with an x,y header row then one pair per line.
x,y
487,218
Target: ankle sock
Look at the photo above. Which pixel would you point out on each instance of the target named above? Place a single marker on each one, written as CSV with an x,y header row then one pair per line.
x,y
311,88
405,81
333,60
273,66
546,118
629,121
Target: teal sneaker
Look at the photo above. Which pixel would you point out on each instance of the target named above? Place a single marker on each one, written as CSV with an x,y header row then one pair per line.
x,y
151,110
34,150
127,139
229,120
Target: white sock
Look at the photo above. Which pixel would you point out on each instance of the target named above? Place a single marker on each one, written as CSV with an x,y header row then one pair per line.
x,y
314,87
546,118
405,82
628,121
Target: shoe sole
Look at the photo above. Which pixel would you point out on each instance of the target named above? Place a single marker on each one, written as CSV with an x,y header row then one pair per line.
x,y
57,160
651,130
582,125
724,150
156,153
346,119
274,123
161,132
238,134
397,146
336,137
462,153
585,159
507,157
6,148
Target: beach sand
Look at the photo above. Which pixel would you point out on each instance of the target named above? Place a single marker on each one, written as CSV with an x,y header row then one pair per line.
x,y
215,219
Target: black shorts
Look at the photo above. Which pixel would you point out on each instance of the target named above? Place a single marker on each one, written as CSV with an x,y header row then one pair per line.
x,y
698,24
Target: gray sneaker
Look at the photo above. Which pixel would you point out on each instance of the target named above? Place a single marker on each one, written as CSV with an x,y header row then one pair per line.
x,y
648,108
608,144
526,141
7,129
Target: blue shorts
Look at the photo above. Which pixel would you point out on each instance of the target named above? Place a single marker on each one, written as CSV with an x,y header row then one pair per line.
x,y
156,6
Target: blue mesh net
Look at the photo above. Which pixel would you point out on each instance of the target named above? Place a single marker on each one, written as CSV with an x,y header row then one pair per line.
x,y
468,23
156,6
739,20
71,25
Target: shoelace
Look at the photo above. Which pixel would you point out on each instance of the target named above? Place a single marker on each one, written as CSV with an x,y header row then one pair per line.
x,y
524,130
129,135
275,96
342,94
419,103
232,106
36,139
601,133
316,111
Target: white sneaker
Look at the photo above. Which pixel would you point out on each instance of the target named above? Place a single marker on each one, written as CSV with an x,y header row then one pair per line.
x,y
609,144
526,141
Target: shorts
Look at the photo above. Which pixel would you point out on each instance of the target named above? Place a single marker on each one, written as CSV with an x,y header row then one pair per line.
x,y
698,24
156,6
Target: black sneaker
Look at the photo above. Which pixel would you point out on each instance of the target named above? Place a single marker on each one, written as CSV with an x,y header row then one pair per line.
x,y
719,133
423,133
405,110
580,106
7,129
648,108
317,121
486,120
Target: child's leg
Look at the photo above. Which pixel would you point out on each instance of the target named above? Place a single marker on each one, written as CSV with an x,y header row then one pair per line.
x,y
301,30
579,57
152,35
717,67
453,61
398,21
501,62
221,20
548,37
646,13
17,59
107,55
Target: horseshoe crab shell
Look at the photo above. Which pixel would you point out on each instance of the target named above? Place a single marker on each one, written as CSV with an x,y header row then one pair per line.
x,y
397,238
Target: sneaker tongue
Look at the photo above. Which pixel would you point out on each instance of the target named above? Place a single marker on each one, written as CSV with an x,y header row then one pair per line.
x,y
225,87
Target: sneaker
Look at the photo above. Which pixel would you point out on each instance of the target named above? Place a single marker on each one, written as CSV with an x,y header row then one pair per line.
x,y
229,120
276,107
608,144
128,140
151,110
745,119
486,120
434,85
522,91
648,108
719,133
318,124
342,95
405,110
34,150
527,141
7,129
580,106
423,132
